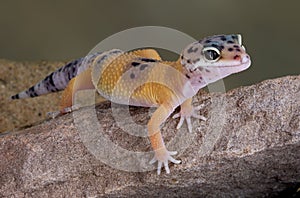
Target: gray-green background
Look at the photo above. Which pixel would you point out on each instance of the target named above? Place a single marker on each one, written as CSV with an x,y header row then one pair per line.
x,y
63,30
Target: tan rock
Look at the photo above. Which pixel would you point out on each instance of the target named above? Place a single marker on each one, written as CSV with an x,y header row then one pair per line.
x,y
249,146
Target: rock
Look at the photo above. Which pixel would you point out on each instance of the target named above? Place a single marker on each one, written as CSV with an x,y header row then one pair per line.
x,y
248,147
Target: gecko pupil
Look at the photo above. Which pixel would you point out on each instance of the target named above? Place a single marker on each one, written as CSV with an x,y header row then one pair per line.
x,y
211,55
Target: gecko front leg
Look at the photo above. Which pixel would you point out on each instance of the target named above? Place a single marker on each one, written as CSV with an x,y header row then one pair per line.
x,y
187,111
162,155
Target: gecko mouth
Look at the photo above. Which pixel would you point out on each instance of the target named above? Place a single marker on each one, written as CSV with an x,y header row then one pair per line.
x,y
242,65
237,65
245,61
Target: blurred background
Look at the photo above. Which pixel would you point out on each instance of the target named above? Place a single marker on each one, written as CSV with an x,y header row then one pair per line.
x,y
64,30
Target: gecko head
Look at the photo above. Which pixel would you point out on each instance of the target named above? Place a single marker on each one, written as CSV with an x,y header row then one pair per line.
x,y
216,56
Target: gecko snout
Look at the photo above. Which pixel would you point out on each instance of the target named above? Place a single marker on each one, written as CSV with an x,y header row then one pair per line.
x,y
245,58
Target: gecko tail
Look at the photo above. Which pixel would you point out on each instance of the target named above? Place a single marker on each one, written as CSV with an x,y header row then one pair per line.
x,y
57,80
43,87
22,94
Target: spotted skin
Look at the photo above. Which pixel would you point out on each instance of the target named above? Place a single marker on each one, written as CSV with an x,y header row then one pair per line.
x,y
59,79
141,78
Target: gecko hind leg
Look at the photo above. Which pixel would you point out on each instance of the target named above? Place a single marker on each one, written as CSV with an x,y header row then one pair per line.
x,y
81,82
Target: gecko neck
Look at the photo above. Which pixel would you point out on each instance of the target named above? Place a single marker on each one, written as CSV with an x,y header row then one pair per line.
x,y
192,82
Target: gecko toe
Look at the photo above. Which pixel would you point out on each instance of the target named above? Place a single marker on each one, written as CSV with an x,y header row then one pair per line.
x,y
173,152
180,122
159,168
166,165
153,160
177,115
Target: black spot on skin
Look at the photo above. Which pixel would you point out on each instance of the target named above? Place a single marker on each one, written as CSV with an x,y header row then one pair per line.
x,y
132,76
230,49
200,78
50,77
238,50
74,69
236,56
31,92
102,58
230,42
222,47
188,61
192,50
214,45
181,56
143,66
223,38
234,37
236,46
66,67
49,83
134,64
201,68
187,76
207,41
148,60
15,96
207,70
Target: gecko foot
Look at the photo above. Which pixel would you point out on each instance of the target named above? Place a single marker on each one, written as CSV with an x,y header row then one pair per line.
x,y
53,114
187,114
163,156
64,111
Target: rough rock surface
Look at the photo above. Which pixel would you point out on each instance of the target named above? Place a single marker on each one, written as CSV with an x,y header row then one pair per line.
x,y
248,147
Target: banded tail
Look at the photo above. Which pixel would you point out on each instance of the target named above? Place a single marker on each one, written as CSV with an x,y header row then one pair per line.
x,y
59,79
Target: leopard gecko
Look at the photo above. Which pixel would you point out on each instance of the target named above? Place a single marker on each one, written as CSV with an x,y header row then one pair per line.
x,y
142,78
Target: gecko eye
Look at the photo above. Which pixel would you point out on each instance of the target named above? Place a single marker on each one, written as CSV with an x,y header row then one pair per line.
x,y
211,54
